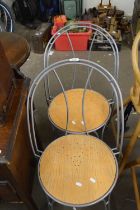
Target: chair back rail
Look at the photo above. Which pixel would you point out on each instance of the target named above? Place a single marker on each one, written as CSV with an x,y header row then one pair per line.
x,y
92,67
135,91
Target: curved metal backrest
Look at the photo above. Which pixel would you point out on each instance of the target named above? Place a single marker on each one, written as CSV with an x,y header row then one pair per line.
x,y
135,94
93,67
135,63
98,31
9,20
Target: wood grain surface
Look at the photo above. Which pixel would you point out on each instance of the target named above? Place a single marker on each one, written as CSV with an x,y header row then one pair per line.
x,y
5,131
96,110
135,90
6,82
16,48
77,169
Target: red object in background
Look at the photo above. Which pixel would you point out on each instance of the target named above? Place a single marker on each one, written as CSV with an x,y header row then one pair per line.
x,y
54,30
79,41
60,21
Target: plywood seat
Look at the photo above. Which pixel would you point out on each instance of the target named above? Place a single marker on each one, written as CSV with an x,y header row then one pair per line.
x,y
77,170
96,111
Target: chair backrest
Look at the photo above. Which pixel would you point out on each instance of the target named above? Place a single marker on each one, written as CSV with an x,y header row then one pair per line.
x,y
7,20
89,55
35,93
135,91
100,36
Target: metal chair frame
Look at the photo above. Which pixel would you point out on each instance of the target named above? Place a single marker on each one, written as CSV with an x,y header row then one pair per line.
x,y
105,198
93,67
117,150
9,25
98,31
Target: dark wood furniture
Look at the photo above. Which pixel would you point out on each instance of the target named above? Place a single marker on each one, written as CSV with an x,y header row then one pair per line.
x,y
16,159
41,37
16,48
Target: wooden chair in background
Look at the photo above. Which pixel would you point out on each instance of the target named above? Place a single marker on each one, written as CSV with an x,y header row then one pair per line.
x,y
134,100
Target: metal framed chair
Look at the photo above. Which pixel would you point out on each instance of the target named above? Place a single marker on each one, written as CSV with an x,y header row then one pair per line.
x,y
68,114
76,94
133,101
76,154
99,34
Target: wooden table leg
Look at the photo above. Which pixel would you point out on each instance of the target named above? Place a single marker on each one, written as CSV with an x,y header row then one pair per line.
x,y
28,201
130,147
24,196
133,163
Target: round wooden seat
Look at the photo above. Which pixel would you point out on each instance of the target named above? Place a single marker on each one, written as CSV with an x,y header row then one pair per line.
x,y
96,110
16,48
78,170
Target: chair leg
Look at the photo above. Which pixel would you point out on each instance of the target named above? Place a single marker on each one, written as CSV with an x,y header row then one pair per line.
x,y
130,147
136,190
126,101
133,163
107,203
50,203
127,112
102,131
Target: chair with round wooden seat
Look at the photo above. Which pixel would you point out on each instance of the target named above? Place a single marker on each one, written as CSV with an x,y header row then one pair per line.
x,y
96,117
76,170
16,48
133,101
66,110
